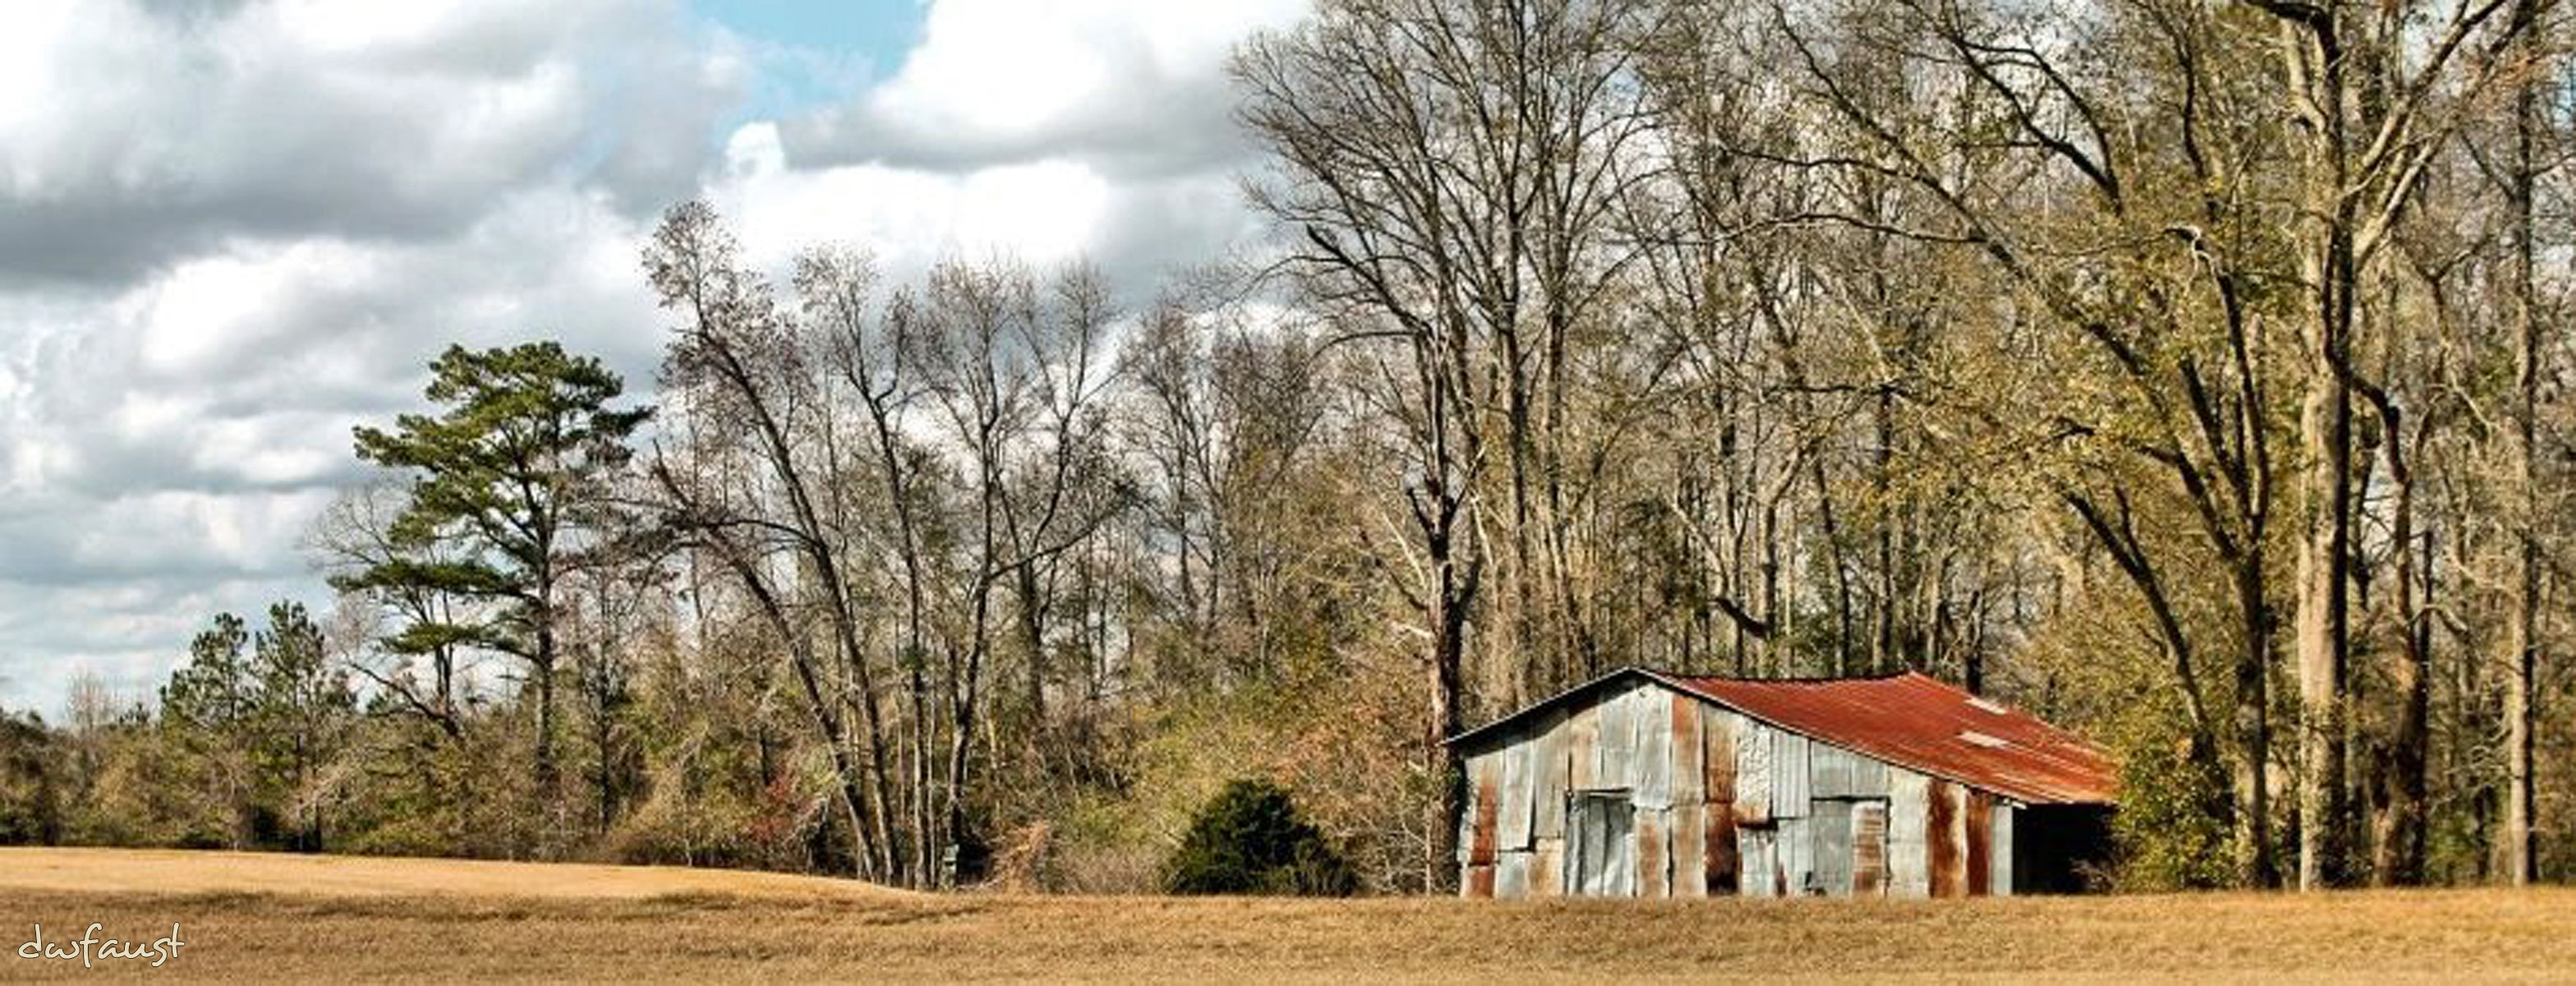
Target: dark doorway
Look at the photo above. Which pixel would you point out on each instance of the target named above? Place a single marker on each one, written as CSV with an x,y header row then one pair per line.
x,y
2060,849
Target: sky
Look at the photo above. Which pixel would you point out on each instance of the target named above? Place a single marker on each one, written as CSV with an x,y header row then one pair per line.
x,y
232,229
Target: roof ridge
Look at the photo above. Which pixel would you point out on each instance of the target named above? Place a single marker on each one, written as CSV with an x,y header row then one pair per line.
x,y
1822,679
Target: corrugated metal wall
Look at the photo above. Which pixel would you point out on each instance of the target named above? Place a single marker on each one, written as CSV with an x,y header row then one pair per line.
x,y
1716,804
1909,867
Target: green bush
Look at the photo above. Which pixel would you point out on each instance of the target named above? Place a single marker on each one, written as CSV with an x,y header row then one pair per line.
x,y
2171,832
1250,840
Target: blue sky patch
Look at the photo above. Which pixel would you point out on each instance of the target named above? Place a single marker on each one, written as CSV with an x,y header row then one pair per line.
x,y
814,53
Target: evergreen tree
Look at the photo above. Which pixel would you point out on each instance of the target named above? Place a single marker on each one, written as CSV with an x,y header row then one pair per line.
x,y
1251,840
205,713
301,711
511,479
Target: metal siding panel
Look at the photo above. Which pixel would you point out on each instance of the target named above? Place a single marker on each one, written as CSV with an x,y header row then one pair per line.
x,y
2000,882
1717,733
1977,835
1869,848
1480,847
1477,845
1835,772
1511,875
1869,777
1650,761
1547,790
1613,748
1466,831
1831,828
1830,771
1908,863
1690,849
1797,850
1654,854
1719,851
1752,772
1942,830
1586,847
1513,828
1789,771
1687,783
1604,848
1648,731
1469,813
1723,862
1759,876
1799,853
1582,736
1620,868
1547,868
1650,713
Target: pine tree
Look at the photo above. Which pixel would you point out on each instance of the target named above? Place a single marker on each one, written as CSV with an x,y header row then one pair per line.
x,y
511,477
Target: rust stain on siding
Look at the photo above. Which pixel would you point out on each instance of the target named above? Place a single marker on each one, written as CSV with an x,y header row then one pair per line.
x,y
1717,761
1718,857
1651,880
1941,838
1480,881
1687,773
1869,848
1547,868
1689,835
1488,808
1980,839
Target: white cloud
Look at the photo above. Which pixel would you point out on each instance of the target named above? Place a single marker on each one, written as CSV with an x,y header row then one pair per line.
x,y
1002,67
245,368
231,231
1044,212
228,304
131,139
1136,84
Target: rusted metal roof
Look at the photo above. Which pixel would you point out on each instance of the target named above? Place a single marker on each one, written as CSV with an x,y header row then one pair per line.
x,y
1914,720
1911,720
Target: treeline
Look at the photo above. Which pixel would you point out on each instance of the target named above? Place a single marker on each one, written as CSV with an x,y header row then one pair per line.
x,y
2187,372
247,731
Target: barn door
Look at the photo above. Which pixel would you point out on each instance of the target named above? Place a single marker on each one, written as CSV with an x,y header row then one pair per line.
x,y
1602,829
1850,847
1830,864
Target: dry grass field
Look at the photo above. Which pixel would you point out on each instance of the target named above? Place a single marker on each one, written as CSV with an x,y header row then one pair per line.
x,y
269,917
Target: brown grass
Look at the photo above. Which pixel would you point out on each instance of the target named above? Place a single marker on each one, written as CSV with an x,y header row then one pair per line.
x,y
269,917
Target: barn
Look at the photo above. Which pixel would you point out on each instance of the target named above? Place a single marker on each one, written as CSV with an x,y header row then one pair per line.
x,y
1646,784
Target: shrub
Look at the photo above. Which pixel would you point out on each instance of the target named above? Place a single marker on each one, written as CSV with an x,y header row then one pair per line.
x,y
1250,840
2171,832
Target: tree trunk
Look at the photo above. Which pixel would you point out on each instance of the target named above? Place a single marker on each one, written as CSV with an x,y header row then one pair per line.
x,y
1448,646
2522,630
2398,859
2323,628
549,778
1032,627
2255,864
1841,570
